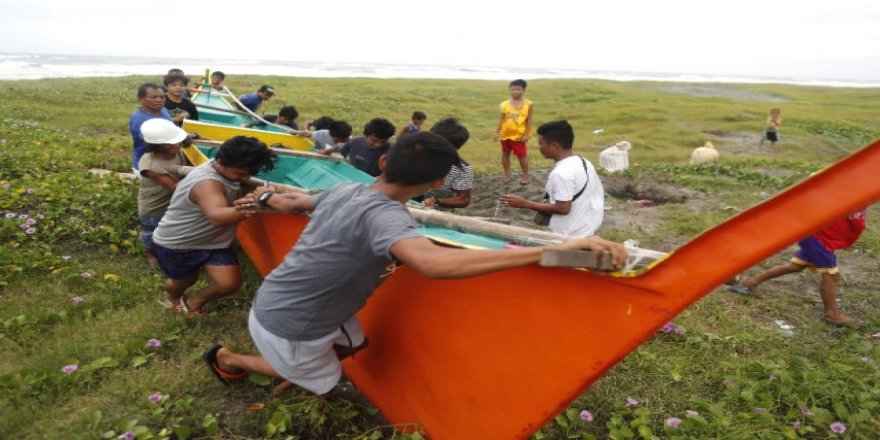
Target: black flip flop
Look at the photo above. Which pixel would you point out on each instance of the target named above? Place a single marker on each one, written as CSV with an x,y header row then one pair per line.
x,y
210,358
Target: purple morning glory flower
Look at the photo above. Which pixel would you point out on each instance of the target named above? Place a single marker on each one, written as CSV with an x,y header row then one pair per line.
x,y
5,185
69,369
796,424
31,190
10,215
30,231
673,422
679,330
838,427
23,226
65,257
78,299
586,416
23,216
85,275
41,216
631,402
154,343
30,221
727,383
806,411
154,398
128,435
668,327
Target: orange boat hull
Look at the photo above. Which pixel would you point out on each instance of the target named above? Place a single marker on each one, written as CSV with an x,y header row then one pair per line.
x,y
498,356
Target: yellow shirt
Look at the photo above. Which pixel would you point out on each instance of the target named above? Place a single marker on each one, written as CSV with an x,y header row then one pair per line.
x,y
514,124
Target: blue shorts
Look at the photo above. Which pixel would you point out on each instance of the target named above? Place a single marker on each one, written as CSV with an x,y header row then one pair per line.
x,y
148,225
814,255
180,264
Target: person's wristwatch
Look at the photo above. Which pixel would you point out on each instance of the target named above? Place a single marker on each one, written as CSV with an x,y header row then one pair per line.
x,y
264,198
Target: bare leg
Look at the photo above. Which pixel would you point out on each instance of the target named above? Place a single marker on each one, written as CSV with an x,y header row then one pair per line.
x,y
222,281
524,165
752,282
828,290
505,164
174,288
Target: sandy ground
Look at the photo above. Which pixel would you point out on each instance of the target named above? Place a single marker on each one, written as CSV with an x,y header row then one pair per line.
x,y
621,214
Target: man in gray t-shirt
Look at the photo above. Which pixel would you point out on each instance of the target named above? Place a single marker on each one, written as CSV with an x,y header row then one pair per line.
x,y
303,319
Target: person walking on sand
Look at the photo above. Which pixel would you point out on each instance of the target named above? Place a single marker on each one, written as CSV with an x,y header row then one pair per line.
x,y
574,200
770,132
817,254
303,319
514,129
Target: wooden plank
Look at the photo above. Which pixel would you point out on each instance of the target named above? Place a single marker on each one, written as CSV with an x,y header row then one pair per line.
x,y
578,259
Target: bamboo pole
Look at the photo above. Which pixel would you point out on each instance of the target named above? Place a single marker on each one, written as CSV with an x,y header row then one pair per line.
x,y
282,151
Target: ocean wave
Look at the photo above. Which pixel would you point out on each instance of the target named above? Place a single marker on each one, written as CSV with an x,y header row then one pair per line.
x,y
40,66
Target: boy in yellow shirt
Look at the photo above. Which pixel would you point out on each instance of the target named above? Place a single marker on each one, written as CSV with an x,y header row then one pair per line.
x,y
514,129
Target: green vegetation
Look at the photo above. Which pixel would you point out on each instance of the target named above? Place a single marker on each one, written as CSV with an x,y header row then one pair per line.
x,y
75,291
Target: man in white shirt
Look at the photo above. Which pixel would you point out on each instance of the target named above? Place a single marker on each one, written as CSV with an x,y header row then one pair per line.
x,y
575,199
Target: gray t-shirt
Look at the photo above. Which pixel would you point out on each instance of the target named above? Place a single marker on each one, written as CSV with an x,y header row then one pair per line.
x,y
323,140
340,258
185,225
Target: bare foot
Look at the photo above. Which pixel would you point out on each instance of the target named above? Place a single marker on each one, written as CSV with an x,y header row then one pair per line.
x,y
751,284
506,179
839,319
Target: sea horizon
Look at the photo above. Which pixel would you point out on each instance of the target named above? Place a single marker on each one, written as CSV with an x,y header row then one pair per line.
x,y
44,66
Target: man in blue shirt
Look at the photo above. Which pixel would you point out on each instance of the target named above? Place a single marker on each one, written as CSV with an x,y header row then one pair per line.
x,y
152,99
253,100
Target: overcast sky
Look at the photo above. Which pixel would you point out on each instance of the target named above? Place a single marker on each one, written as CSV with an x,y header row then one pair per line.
x,y
805,39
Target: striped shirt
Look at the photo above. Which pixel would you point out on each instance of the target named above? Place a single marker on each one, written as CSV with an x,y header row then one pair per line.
x,y
458,179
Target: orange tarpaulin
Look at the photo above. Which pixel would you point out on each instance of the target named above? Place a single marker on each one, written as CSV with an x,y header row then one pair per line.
x,y
498,356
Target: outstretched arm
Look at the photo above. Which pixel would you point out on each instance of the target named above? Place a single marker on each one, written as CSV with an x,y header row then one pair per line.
x,y
435,261
513,201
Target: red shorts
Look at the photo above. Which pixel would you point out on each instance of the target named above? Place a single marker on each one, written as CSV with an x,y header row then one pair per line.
x,y
518,148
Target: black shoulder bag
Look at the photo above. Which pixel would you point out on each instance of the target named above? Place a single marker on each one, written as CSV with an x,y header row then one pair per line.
x,y
544,219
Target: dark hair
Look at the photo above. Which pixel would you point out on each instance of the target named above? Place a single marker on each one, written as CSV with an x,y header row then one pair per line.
x,y
246,152
419,116
420,158
142,90
220,74
155,148
266,88
322,123
452,131
175,71
379,127
340,129
518,82
174,77
559,132
288,112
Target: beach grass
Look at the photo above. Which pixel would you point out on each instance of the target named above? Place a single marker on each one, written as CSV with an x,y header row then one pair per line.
x,y
78,292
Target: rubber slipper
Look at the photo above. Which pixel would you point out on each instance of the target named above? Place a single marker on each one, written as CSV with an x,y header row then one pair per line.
x,y
225,377
741,288
184,308
506,179
164,302
523,182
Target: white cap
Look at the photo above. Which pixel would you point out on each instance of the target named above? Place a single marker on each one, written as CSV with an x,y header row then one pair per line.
x,y
161,131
